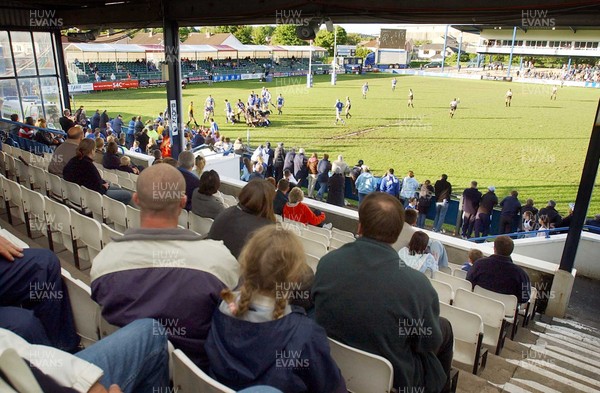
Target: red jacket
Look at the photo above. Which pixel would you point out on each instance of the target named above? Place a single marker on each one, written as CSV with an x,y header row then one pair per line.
x,y
302,213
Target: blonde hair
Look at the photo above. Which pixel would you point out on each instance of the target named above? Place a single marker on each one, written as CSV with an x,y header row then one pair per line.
x,y
474,254
272,258
125,160
296,195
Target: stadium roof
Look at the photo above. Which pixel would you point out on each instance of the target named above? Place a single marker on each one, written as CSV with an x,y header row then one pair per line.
x,y
102,14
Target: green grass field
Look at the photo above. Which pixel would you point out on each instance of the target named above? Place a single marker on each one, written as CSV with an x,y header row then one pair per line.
x,y
537,146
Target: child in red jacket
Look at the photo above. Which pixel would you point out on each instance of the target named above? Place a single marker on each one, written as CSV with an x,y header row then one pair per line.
x,y
295,210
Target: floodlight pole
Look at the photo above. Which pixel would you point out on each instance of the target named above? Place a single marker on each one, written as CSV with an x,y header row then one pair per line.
x,y
309,81
61,66
334,64
512,49
584,195
444,50
459,50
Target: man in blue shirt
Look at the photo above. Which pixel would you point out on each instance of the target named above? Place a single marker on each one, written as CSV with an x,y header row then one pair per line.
x,y
117,125
511,210
390,184
129,137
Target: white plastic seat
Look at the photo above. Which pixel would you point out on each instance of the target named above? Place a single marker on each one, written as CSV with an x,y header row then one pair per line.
x,y
444,291
89,232
6,148
85,311
337,242
92,201
108,234
313,247
229,200
189,378
110,177
454,282
122,174
511,311
3,163
312,261
307,234
337,233
491,312
184,218
323,231
133,217
467,328
199,224
10,166
529,311
56,190
459,273
72,194
116,212
39,179
126,183
13,199
33,208
445,269
58,217
363,372
22,172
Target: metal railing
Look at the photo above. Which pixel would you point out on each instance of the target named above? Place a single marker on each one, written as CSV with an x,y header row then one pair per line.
x,y
529,234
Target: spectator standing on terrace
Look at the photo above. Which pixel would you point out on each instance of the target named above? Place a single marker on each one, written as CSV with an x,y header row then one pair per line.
x,y
144,140
499,274
420,361
340,163
67,150
255,325
312,167
130,134
254,210
104,119
365,183
484,212
528,207
355,173
336,185
288,162
426,193
185,164
117,125
297,211
323,175
139,125
268,155
390,183
279,161
82,171
443,191
300,167
470,203
170,273
409,188
66,122
95,121
511,211
550,211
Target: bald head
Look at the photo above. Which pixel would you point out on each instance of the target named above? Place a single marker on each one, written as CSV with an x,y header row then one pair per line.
x,y
160,194
75,133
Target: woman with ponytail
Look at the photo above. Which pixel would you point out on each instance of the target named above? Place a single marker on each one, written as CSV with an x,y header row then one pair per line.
x,y
256,337
82,171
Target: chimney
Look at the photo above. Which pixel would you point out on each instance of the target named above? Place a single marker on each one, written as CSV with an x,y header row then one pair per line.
x,y
208,34
150,33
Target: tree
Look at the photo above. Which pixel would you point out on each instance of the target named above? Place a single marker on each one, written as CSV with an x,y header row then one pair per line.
x,y
261,34
354,39
325,39
361,51
242,32
286,35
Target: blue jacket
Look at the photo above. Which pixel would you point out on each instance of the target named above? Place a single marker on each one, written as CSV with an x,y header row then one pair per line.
x,y
191,183
131,127
366,183
390,184
290,354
